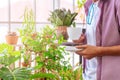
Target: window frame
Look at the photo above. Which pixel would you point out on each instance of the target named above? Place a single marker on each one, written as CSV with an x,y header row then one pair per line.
x,y
56,4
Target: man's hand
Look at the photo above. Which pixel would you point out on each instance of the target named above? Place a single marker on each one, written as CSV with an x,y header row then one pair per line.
x,y
88,51
81,39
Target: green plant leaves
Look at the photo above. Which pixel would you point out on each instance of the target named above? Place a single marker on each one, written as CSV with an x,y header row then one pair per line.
x,y
80,3
50,57
7,60
62,17
7,49
17,74
8,55
43,75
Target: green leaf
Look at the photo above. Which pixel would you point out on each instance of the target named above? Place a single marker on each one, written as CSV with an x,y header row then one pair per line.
x,y
17,74
6,61
62,17
43,75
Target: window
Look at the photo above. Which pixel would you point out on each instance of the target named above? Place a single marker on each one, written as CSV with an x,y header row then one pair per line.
x,y
11,12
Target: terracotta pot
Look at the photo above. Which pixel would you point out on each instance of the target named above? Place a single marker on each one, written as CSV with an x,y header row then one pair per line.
x,y
11,39
24,64
34,35
62,30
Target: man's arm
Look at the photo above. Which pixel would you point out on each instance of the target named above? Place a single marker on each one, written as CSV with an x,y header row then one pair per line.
x,y
110,51
89,51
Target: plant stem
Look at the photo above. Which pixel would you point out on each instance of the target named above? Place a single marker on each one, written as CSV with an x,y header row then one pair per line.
x,y
12,73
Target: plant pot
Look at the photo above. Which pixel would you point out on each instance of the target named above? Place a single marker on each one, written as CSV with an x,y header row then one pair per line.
x,y
25,64
11,39
62,30
74,33
34,35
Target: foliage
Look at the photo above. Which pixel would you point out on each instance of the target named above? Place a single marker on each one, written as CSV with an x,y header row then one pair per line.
x,y
28,25
16,74
62,17
50,56
27,33
42,75
49,53
7,57
70,73
7,54
25,56
80,3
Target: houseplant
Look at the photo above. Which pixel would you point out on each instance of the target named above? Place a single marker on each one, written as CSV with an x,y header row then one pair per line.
x,y
50,56
12,38
26,59
48,53
42,45
7,57
74,33
50,59
61,19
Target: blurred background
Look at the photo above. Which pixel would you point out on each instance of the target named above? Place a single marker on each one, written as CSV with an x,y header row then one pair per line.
x,y
11,12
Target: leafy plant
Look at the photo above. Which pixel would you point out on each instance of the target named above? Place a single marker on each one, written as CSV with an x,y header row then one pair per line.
x,y
62,17
71,73
26,58
7,57
28,28
50,56
16,74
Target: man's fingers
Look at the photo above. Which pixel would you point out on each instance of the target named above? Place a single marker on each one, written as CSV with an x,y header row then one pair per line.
x,y
81,46
79,51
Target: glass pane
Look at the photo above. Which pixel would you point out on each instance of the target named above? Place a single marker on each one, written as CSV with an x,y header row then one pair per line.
x,y
3,10
43,8
15,27
68,4
39,27
18,7
3,32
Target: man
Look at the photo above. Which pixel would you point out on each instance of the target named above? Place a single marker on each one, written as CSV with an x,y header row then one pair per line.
x,y
107,49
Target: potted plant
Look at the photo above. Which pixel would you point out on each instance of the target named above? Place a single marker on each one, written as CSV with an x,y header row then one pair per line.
x,y
48,54
61,19
75,32
50,57
12,38
26,59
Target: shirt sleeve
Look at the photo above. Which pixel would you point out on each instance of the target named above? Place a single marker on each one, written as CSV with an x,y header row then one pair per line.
x,y
118,12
